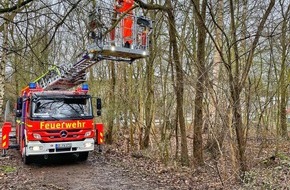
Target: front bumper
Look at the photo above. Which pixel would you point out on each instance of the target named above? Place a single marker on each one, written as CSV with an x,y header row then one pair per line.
x,y
38,148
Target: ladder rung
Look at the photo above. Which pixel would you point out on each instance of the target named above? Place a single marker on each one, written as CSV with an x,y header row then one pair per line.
x,y
69,75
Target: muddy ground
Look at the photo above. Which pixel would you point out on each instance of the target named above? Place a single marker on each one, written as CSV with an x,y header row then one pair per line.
x,y
115,168
98,172
111,169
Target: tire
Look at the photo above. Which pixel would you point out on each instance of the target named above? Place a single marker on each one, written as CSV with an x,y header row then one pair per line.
x,y
83,156
26,159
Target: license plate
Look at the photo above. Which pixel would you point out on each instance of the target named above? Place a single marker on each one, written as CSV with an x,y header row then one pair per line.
x,y
65,145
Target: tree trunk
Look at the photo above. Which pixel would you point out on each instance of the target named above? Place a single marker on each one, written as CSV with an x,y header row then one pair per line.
x,y
201,74
149,103
218,128
237,124
283,78
179,84
109,134
2,68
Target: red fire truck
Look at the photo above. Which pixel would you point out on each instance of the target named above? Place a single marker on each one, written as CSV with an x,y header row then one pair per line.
x,y
51,118
53,122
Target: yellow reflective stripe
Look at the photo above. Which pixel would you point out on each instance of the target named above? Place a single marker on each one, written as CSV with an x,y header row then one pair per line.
x,y
28,125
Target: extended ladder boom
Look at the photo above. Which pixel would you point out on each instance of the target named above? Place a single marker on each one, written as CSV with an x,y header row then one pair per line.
x,y
66,76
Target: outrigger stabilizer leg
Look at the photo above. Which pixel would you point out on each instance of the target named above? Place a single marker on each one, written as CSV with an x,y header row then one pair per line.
x,y
5,137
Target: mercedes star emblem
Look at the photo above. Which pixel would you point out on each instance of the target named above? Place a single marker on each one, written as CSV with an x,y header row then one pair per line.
x,y
63,134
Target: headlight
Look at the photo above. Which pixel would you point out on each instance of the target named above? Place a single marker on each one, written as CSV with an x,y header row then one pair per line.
x,y
113,48
36,148
36,135
88,145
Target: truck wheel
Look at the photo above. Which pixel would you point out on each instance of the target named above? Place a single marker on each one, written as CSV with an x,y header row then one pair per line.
x,y
83,156
26,159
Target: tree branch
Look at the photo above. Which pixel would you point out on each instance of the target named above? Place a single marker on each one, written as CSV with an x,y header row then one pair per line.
x,y
152,6
60,23
15,7
255,43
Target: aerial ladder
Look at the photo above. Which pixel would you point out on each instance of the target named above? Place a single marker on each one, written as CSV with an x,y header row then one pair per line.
x,y
116,34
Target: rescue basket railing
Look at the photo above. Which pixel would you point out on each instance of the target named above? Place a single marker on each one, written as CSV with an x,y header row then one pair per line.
x,y
119,35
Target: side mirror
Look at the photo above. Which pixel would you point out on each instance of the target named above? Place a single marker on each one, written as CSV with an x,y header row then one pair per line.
x,y
99,107
19,107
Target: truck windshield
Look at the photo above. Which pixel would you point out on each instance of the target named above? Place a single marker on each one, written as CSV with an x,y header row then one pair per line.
x,y
62,107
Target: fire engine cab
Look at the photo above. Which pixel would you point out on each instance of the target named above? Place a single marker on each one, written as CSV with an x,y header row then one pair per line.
x,y
53,122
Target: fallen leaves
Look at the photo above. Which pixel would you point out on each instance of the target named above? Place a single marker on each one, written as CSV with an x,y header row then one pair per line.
x,y
143,169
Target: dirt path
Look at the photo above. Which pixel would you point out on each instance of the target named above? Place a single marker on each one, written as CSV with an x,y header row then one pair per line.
x,y
99,172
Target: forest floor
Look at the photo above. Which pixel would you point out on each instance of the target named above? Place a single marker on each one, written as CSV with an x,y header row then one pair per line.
x,y
115,168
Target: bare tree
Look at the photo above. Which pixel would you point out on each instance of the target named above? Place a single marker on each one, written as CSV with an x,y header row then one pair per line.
x,y
284,74
2,65
237,80
200,9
